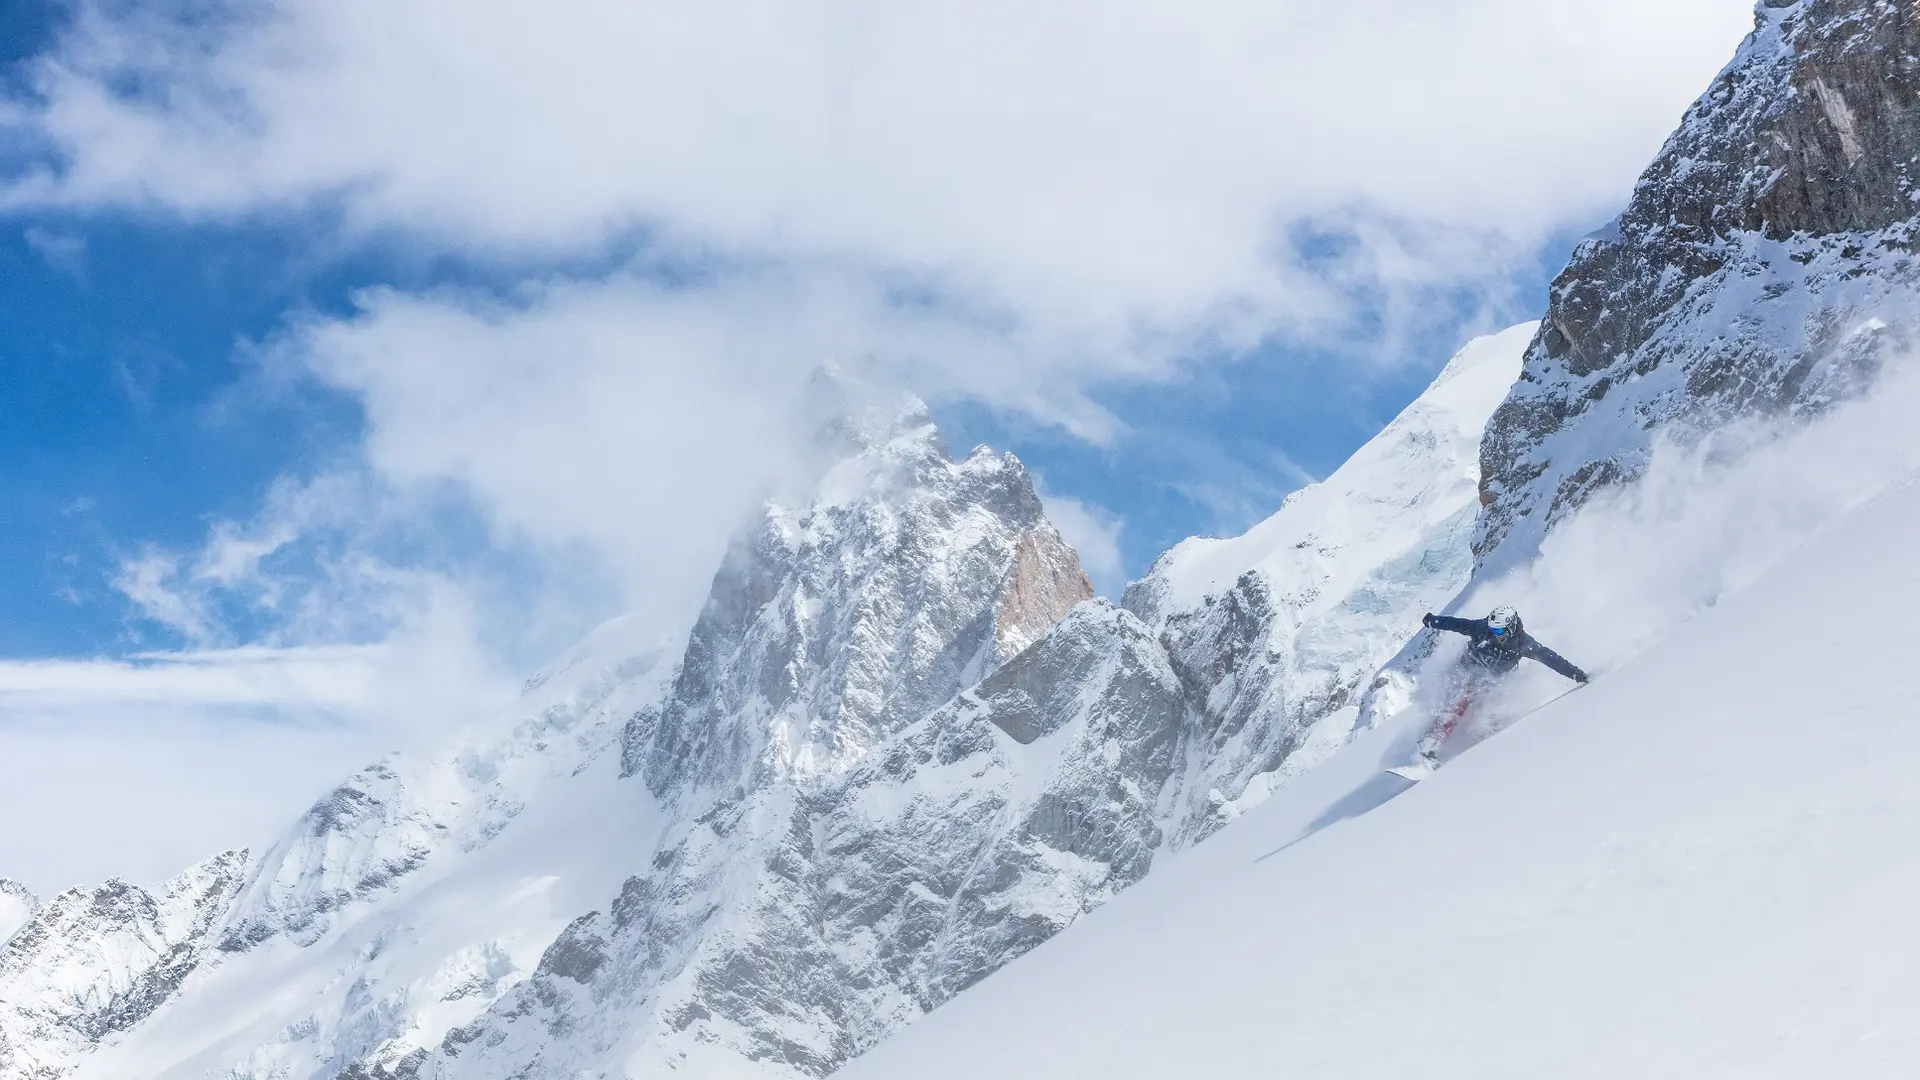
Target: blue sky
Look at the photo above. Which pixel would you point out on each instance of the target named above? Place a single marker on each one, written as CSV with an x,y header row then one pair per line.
x,y
402,342
138,414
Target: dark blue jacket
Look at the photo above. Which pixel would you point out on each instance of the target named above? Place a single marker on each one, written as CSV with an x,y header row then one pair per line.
x,y
1500,653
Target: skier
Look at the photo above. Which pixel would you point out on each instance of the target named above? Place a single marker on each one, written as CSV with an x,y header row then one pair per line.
x,y
1500,642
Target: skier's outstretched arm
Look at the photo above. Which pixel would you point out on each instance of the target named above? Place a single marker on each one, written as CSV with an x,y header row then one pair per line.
x,y
1553,660
1448,622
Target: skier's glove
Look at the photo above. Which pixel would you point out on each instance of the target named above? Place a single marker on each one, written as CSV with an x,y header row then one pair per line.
x,y
1427,619
1581,678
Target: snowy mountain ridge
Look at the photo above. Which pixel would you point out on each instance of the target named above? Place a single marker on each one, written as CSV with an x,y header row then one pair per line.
x,y
901,745
1276,633
1694,868
94,962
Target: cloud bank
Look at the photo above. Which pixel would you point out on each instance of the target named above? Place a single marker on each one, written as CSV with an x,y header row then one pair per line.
x,y
1111,185
676,212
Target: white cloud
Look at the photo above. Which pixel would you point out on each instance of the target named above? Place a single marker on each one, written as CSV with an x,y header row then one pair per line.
x,y
64,252
148,795
1097,171
1014,203
1007,202
303,683
1094,532
139,767
145,580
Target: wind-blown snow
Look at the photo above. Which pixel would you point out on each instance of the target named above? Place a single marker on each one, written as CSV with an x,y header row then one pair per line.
x,y
1698,867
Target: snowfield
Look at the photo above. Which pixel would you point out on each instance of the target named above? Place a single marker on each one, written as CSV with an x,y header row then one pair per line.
x,y
1703,865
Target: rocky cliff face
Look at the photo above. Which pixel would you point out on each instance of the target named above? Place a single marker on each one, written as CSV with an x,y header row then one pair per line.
x,y
1764,267
832,627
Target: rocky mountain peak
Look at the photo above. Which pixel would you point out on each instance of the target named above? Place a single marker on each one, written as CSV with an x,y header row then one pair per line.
x,y
1764,267
839,618
846,416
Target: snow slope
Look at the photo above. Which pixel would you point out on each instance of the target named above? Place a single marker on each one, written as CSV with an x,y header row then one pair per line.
x,y
413,896
1701,866
1371,504
1276,633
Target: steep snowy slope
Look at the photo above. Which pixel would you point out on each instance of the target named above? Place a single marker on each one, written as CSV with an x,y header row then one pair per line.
x,y
1275,633
767,857
1764,267
1699,867
415,894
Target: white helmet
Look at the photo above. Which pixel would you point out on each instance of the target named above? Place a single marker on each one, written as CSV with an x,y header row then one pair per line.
x,y
1504,620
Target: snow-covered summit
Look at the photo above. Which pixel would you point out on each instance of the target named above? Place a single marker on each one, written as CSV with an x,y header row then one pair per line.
x,y
616,874
836,621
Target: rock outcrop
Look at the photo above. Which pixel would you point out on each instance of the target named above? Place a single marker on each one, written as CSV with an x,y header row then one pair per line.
x,y
1764,267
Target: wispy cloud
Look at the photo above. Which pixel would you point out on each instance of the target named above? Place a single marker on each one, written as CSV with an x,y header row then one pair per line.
x,y
1094,531
140,766
65,252
304,684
